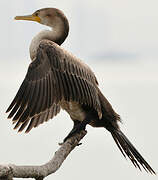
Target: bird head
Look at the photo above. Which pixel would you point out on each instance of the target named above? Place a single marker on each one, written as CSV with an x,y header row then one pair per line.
x,y
45,16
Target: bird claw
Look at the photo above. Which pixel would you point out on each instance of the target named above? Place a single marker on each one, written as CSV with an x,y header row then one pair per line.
x,y
75,130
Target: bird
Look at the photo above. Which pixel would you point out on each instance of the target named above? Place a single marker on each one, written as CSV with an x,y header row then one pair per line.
x,y
56,79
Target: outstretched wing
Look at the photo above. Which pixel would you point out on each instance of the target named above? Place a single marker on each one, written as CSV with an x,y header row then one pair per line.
x,y
54,76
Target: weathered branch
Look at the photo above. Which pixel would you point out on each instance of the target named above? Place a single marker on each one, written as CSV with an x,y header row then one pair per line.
x,y
7,172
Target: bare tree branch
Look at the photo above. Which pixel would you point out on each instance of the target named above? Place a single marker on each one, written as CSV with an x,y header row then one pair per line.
x,y
7,172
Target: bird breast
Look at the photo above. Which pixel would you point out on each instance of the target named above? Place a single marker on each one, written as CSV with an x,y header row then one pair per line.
x,y
75,110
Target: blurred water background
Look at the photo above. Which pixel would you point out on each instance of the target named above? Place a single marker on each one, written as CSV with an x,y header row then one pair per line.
x,y
119,41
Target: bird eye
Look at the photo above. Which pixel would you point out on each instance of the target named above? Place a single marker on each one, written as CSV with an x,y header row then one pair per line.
x,y
36,13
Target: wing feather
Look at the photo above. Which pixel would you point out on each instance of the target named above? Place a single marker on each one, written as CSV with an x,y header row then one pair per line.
x,y
55,75
44,97
23,126
35,97
65,86
18,96
22,98
31,124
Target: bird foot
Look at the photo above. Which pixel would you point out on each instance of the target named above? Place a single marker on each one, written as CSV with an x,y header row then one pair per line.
x,y
78,128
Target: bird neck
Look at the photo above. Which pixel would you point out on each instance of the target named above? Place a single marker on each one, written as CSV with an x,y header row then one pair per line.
x,y
57,34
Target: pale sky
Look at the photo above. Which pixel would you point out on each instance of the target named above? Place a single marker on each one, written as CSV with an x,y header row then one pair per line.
x,y
110,27
119,40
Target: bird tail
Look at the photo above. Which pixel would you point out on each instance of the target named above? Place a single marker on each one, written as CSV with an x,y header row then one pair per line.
x,y
127,149
110,121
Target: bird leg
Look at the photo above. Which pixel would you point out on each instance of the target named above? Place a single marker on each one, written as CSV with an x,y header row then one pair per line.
x,y
79,126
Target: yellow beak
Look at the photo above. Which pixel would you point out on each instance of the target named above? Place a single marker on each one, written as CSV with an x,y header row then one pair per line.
x,y
28,18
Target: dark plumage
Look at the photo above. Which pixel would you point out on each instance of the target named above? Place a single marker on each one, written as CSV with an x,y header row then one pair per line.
x,y
51,79
56,79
